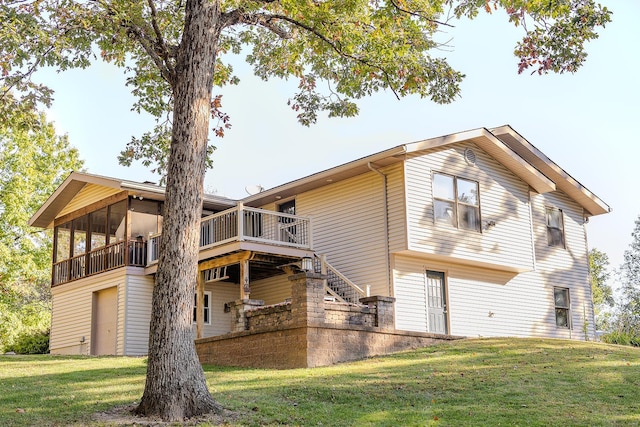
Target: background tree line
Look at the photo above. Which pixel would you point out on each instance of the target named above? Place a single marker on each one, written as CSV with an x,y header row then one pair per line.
x,y
33,162
618,311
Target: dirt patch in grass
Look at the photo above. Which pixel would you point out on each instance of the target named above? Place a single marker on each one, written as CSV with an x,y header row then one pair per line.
x,y
123,416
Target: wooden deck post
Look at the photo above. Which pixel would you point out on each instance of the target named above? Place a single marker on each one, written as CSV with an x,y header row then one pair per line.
x,y
199,304
245,287
240,221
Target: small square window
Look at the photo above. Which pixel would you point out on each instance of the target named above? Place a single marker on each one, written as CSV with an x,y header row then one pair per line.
x,y
562,307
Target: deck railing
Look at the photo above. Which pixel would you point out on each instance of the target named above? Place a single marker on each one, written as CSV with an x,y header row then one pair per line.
x,y
99,260
242,223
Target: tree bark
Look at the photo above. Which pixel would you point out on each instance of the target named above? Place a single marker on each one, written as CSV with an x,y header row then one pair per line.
x,y
175,386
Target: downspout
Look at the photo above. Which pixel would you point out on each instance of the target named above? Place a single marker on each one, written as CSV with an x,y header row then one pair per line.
x,y
531,231
386,224
589,287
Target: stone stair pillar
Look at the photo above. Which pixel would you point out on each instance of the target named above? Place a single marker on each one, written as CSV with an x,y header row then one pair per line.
x,y
307,298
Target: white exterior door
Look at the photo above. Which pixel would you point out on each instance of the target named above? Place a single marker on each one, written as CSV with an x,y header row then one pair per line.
x,y
436,303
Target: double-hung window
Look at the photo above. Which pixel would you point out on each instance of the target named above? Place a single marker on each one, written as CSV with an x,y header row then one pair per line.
x,y
562,307
555,227
206,308
456,201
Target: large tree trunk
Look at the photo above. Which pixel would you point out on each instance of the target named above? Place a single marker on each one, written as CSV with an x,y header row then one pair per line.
x,y
175,386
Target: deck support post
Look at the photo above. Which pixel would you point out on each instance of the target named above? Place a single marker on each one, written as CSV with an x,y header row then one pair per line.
x,y
199,304
245,287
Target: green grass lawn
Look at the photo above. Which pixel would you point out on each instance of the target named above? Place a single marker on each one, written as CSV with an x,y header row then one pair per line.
x,y
492,382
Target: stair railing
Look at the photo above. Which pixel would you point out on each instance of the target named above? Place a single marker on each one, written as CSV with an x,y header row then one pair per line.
x,y
337,284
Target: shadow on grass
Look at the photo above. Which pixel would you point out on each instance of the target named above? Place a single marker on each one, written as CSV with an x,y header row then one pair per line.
x,y
51,390
472,382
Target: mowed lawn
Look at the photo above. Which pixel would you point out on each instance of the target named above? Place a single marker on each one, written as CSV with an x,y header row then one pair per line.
x,y
492,382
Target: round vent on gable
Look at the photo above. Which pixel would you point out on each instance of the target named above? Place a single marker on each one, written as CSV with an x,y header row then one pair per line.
x,y
470,156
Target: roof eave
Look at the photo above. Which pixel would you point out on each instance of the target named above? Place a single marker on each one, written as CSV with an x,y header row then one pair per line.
x,y
498,150
328,176
591,203
76,181
70,187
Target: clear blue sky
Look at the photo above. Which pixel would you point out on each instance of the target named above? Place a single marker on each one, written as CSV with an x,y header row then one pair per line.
x,y
584,122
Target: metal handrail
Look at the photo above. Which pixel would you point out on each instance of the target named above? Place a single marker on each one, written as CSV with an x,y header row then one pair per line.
x,y
337,284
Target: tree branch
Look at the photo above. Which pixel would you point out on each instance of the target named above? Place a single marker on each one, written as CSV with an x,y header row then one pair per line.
x,y
261,19
152,49
249,20
419,15
155,48
166,54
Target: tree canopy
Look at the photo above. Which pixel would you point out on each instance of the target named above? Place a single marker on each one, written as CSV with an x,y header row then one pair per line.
x,y
174,54
629,306
337,51
601,291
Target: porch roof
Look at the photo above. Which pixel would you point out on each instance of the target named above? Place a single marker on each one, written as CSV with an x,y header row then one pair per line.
x,y
76,181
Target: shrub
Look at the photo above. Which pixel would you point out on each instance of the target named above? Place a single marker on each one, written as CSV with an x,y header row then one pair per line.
x,y
622,338
18,320
33,342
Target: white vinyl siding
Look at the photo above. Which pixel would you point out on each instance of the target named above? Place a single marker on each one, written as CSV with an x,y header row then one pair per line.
x,y
138,313
221,293
272,290
410,294
486,302
72,308
396,205
565,267
504,201
90,193
349,227
481,302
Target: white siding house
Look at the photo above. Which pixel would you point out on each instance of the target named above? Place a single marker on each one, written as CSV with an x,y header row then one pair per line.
x,y
474,234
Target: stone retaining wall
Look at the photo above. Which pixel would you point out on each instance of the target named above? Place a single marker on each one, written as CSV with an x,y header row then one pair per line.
x,y
309,331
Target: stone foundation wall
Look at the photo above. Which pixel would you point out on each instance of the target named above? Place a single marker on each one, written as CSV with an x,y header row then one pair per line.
x,y
282,349
329,345
309,346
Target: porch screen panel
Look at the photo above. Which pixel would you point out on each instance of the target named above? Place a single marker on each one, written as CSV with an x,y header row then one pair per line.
x,y
63,242
116,225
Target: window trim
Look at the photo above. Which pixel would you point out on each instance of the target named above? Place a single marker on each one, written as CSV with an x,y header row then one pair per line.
x,y
207,307
566,308
456,202
562,229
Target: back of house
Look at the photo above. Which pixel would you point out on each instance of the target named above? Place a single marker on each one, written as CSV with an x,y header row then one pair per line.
x,y
473,234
